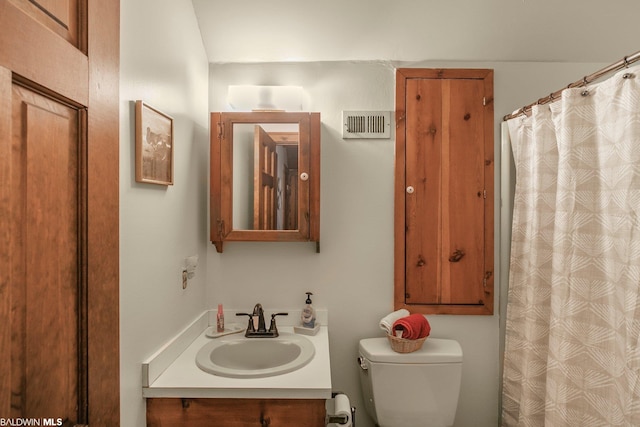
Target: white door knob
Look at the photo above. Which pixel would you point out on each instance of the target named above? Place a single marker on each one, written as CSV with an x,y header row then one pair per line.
x,y
304,176
410,190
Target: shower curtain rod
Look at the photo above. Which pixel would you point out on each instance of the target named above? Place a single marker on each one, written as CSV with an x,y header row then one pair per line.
x,y
623,63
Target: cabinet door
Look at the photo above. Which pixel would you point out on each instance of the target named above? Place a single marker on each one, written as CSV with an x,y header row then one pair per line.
x,y
250,155
175,412
444,186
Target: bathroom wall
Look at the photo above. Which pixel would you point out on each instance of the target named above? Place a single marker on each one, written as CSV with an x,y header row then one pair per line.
x,y
352,276
159,225
164,63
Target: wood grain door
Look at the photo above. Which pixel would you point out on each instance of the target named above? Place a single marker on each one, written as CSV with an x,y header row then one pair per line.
x,y
445,210
58,211
444,183
46,373
265,178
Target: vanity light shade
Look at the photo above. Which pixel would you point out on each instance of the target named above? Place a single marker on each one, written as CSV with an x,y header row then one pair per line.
x,y
253,97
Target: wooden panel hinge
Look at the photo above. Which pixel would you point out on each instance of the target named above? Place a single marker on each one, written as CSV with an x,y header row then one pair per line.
x,y
220,130
484,194
487,276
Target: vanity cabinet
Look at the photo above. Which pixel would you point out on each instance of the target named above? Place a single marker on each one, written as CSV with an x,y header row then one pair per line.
x,y
444,185
265,177
207,412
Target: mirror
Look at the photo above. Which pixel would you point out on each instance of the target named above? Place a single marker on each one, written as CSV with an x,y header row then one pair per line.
x,y
265,177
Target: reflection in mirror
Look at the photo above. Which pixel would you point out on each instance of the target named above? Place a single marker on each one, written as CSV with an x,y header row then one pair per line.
x,y
265,176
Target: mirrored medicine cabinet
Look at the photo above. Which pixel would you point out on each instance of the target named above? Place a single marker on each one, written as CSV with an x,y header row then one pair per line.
x,y
265,177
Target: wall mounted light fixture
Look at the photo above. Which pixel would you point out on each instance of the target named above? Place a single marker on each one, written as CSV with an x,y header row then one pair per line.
x,y
255,97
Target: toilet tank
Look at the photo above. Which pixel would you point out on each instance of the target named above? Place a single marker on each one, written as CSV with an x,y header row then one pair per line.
x,y
411,389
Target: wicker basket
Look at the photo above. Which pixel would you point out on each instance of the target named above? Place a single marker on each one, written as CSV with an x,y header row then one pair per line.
x,y
403,345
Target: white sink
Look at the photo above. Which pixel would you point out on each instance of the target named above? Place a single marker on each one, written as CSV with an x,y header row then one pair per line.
x,y
240,357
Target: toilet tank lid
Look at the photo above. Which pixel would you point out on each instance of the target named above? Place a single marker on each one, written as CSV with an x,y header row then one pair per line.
x,y
434,350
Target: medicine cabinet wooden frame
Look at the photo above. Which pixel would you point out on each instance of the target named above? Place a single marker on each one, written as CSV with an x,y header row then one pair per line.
x,y
221,178
444,191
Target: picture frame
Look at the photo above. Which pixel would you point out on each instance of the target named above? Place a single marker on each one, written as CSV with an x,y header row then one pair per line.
x,y
154,145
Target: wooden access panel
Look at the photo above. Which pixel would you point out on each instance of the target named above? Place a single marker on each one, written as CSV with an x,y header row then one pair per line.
x,y
444,187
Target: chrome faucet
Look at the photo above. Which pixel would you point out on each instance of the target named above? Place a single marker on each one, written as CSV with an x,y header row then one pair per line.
x,y
257,326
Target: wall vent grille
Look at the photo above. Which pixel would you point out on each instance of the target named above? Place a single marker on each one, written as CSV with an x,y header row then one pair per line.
x,y
366,124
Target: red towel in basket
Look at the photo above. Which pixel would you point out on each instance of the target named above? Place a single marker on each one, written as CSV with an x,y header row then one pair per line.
x,y
413,327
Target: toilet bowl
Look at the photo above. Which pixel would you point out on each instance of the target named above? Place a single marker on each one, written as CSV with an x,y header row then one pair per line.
x,y
418,389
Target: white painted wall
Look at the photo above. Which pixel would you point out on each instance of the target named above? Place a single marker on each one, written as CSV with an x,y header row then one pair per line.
x,y
353,275
160,226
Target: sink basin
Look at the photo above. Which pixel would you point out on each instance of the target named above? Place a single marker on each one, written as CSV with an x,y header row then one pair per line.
x,y
240,357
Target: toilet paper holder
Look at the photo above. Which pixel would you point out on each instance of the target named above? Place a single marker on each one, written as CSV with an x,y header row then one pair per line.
x,y
341,418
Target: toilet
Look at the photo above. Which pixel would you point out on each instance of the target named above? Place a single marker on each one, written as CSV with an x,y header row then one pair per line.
x,y
418,389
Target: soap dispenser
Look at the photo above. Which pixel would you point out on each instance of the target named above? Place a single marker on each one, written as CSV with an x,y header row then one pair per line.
x,y
308,313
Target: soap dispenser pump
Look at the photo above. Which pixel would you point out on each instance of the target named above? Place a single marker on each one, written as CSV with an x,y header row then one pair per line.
x,y
308,313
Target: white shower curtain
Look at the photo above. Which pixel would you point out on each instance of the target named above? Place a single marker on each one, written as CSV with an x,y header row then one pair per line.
x,y
572,352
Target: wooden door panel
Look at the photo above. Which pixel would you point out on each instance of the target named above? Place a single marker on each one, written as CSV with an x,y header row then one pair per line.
x,y
44,243
32,52
60,16
423,171
265,181
463,192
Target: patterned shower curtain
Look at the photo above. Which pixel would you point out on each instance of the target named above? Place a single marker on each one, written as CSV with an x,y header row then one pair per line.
x,y
572,351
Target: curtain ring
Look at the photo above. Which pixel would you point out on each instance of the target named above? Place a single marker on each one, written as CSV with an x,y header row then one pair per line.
x,y
585,83
626,62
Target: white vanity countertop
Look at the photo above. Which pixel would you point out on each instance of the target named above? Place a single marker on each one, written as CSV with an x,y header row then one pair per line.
x,y
183,378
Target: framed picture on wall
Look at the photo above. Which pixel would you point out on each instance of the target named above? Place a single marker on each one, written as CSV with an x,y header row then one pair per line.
x,y
154,145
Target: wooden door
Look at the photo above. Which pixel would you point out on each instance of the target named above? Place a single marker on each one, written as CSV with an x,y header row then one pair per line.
x,y
265,181
44,288
58,211
444,184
